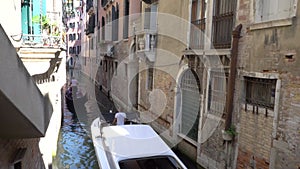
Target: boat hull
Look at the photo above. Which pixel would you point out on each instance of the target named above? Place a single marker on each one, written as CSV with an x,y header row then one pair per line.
x,y
118,147
76,105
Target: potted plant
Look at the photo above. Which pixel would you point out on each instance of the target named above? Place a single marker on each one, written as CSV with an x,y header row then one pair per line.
x,y
229,133
43,20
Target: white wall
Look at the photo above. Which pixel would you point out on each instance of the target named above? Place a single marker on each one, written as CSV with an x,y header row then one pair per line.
x,y
10,19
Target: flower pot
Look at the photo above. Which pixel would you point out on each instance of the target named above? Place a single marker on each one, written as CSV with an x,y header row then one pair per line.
x,y
226,136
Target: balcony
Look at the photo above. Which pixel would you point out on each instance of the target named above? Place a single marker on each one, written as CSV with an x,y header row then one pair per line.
x,y
20,117
31,40
90,26
146,41
107,49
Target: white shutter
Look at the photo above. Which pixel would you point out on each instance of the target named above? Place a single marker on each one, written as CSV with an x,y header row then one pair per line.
x,y
147,18
285,8
258,10
153,17
268,9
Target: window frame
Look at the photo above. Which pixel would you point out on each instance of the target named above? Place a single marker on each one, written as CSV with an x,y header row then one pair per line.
x,y
252,97
260,12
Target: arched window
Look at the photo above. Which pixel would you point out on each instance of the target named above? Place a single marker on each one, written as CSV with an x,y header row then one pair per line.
x,y
190,106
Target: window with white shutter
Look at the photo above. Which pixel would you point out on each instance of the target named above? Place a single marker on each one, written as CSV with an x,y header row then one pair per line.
x,y
270,10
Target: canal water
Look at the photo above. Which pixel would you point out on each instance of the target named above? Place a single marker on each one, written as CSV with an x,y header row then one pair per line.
x,y
74,148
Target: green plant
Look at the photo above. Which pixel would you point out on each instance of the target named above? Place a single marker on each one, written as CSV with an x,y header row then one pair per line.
x,y
231,130
43,20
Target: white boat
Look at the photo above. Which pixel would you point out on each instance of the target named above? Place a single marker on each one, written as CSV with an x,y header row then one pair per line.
x,y
135,146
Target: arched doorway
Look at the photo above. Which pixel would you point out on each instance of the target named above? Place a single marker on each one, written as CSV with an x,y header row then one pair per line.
x,y
190,96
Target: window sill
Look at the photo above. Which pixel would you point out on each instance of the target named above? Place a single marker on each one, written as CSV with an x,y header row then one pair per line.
x,y
271,24
258,110
186,138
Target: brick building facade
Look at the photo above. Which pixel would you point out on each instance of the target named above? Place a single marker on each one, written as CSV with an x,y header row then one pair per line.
x,y
268,135
22,153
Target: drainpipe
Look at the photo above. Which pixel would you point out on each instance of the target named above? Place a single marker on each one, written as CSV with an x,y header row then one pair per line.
x,y
231,80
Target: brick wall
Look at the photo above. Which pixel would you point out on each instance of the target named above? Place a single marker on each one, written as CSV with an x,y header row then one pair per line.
x,y
255,138
246,159
212,151
32,157
164,85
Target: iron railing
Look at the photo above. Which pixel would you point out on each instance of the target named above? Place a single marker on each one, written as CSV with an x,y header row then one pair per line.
x,y
222,30
223,23
217,92
41,40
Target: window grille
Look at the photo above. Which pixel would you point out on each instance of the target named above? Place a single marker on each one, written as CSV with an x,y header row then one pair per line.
x,y
260,92
223,22
217,92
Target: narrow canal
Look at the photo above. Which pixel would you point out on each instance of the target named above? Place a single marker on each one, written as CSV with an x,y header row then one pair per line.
x,y
75,148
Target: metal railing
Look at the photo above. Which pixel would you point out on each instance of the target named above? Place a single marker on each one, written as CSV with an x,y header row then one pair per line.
x,y
41,40
260,92
222,30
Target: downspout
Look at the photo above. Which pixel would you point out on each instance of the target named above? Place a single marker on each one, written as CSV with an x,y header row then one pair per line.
x,y
231,80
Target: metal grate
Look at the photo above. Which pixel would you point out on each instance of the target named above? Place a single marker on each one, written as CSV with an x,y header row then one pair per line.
x,y
223,22
217,92
260,92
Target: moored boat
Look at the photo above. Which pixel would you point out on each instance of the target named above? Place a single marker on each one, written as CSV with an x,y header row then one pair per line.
x,y
75,100
135,146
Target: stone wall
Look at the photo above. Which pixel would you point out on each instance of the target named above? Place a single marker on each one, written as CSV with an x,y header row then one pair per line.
x,y
286,150
270,141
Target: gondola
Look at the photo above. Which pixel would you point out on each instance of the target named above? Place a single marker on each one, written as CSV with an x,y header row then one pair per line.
x,y
75,100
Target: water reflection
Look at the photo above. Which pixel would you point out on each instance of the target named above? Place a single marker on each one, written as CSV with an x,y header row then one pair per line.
x,y
75,148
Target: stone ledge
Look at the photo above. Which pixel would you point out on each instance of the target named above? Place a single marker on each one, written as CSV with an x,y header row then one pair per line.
x,y
271,24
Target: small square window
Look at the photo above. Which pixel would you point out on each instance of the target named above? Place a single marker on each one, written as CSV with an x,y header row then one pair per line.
x,y
260,92
270,10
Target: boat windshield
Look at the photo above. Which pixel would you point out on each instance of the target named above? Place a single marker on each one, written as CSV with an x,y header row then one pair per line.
x,y
156,162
